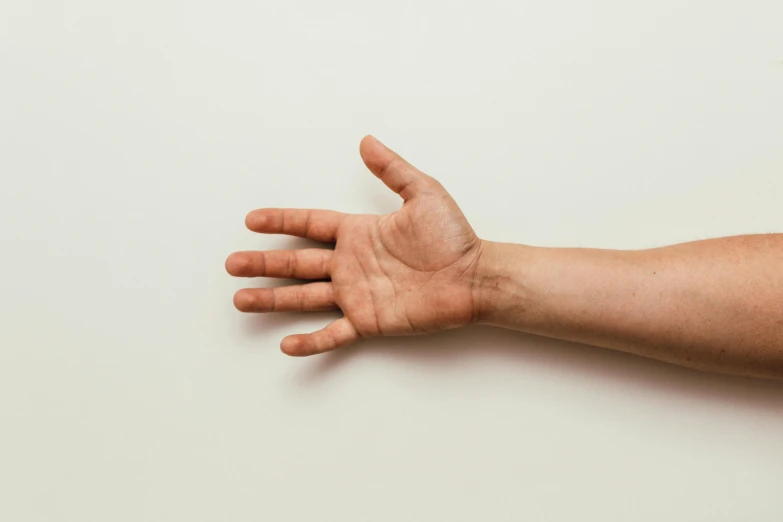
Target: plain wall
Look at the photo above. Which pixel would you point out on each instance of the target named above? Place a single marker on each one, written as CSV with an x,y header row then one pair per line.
x,y
134,137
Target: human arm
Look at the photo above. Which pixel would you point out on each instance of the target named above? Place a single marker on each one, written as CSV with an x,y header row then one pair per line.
x,y
715,305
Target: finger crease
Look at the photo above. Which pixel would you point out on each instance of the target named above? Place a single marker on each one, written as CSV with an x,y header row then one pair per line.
x,y
273,304
325,265
308,220
291,265
262,269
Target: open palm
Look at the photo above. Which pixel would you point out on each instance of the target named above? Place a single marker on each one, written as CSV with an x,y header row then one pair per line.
x,y
409,272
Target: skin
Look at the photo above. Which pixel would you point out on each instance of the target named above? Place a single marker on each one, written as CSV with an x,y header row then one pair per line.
x,y
713,305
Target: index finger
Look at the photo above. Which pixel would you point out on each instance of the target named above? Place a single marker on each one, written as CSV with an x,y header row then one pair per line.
x,y
319,225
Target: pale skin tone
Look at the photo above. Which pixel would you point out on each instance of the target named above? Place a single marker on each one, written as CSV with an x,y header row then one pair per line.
x,y
714,305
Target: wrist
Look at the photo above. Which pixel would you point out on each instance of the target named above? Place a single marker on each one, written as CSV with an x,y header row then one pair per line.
x,y
500,290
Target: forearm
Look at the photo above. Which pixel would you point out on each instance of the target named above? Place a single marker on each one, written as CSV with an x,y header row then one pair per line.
x,y
714,305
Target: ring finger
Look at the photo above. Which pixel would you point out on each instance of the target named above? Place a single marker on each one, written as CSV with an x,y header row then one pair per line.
x,y
296,298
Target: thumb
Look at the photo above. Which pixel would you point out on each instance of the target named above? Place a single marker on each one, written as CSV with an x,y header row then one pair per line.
x,y
399,175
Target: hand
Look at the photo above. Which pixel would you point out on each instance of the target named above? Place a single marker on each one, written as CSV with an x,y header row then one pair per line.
x,y
410,272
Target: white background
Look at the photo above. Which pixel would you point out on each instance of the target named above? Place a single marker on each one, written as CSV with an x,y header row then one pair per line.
x,y
134,136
